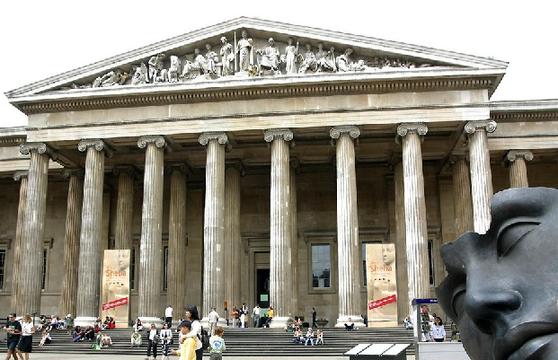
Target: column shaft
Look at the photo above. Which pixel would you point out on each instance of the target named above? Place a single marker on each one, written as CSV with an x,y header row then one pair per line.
x,y
176,275
481,174
462,197
214,222
90,245
233,241
22,177
294,245
71,246
347,227
32,238
403,304
517,160
124,211
151,247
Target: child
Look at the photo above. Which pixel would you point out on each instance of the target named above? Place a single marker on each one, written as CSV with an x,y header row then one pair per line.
x,y
187,344
319,337
217,344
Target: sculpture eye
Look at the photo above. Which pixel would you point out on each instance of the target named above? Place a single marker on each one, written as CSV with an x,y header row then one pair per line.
x,y
512,234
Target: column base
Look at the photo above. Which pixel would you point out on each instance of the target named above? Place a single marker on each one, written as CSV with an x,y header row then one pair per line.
x,y
148,320
280,322
355,319
85,321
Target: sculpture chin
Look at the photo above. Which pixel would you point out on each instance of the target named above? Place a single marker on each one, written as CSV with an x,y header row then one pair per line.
x,y
538,348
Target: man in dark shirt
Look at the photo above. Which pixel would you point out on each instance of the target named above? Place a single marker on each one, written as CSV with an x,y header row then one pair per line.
x,y
13,329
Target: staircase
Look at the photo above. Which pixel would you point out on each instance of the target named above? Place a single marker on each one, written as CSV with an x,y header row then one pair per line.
x,y
243,342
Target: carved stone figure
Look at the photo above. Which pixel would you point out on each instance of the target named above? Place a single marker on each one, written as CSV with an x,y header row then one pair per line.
x,y
155,64
328,63
111,78
269,60
140,75
344,61
291,53
174,69
212,59
244,49
501,288
227,57
310,62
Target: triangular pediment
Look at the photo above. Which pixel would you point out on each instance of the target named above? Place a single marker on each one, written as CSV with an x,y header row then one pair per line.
x,y
203,57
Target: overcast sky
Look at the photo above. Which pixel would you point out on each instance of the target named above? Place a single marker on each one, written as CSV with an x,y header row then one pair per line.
x,y
43,38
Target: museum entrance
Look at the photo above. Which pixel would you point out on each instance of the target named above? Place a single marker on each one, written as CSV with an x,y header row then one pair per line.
x,y
262,287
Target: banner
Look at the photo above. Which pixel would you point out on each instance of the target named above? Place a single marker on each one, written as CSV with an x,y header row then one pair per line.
x,y
381,285
115,290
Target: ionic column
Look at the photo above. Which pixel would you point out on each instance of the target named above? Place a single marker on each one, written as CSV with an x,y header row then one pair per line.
x,y
461,195
124,208
151,244
232,238
517,160
294,242
214,222
71,243
416,232
348,246
32,237
280,226
90,245
176,274
20,176
403,303
481,174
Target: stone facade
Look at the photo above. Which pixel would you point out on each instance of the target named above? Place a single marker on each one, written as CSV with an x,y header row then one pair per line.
x,y
401,154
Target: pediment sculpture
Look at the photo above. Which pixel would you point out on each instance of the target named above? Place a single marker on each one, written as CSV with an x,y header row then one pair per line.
x,y
244,57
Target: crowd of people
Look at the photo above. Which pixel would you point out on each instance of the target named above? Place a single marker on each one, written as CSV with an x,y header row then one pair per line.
x,y
19,336
310,337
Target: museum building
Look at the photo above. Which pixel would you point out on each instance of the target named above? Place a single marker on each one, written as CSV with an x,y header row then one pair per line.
x,y
252,162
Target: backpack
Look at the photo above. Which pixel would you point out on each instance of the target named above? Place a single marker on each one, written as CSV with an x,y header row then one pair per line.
x,y
204,339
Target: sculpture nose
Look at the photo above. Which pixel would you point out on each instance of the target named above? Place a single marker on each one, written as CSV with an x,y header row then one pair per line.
x,y
487,307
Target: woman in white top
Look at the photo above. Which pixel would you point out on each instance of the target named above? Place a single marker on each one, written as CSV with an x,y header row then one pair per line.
x,y
193,316
26,340
437,332
166,339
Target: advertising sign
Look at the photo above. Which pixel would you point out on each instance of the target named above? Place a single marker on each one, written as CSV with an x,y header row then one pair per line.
x,y
381,285
115,291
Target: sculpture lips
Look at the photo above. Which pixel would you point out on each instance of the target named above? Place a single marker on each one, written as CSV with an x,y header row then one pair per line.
x,y
518,336
534,349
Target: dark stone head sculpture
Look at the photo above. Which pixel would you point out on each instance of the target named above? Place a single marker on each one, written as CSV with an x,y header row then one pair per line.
x,y
502,286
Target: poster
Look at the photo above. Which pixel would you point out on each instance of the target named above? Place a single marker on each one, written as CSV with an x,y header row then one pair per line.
x,y
115,290
381,285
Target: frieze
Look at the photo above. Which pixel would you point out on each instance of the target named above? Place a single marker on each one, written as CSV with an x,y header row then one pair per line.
x,y
245,57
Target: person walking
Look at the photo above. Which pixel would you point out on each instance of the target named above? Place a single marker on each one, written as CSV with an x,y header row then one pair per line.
x,y
168,316
314,314
152,340
166,339
26,341
256,315
193,316
213,318
243,315
217,344
13,328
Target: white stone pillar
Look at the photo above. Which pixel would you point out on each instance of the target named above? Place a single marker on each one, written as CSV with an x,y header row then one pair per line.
x,y
517,160
71,243
481,174
90,243
403,303
214,222
461,195
232,238
294,242
348,244
416,232
151,243
20,176
124,208
280,226
32,238
176,273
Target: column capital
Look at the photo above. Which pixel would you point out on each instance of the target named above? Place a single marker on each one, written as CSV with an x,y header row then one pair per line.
x,y
487,125
406,128
158,140
352,131
512,155
182,167
97,144
206,137
40,148
274,134
125,169
18,175
67,173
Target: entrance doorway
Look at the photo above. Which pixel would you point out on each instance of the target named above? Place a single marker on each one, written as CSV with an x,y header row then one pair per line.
x,y
262,287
